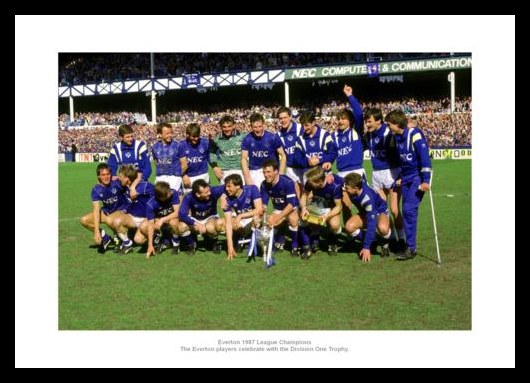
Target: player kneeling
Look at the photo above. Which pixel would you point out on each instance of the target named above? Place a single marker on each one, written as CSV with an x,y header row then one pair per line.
x,y
373,215
321,204
242,210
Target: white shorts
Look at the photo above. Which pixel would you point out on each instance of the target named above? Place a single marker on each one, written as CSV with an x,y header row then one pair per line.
x,y
358,171
257,177
137,220
205,177
206,219
383,179
226,173
174,182
245,222
297,175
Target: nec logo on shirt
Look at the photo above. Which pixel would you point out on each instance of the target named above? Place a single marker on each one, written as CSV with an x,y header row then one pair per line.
x,y
406,157
194,160
260,153
232,152
378,153
344,151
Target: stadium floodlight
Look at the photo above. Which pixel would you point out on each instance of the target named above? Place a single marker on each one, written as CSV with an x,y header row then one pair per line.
x,y
439,259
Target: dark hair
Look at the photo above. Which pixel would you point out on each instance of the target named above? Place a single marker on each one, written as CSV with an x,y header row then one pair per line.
x,y
397,117
255,117
226,119
348,114
307,116
235,179
100,167
376,113
197,185
270,163
193,130
162,190
353,180
283,109
124,129
161,126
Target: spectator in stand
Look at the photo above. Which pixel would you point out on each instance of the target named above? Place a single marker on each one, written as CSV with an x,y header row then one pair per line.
x,y
74,151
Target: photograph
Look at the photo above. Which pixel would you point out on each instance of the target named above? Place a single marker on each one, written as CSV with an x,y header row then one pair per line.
x,y
264,191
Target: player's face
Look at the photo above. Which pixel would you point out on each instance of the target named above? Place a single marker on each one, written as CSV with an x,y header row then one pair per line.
x,y
371,124
394,127
344,123
166,197
270,174
227,128
194,140
412,123
166,135
124,180
104,176
204,193
128,138
284,119
258,128
231,189
353,191
317,185
309,127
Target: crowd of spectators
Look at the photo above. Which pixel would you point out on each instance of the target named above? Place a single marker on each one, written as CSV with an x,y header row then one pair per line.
x,y
99,132
104,67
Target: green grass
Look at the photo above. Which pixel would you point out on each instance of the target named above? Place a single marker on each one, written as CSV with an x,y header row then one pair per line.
x,y
207,292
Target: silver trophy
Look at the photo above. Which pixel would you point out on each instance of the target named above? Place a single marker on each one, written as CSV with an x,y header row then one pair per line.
x,y
263,236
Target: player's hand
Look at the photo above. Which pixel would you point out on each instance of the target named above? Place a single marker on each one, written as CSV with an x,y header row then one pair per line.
x,y
218,173
231,253
348,91
365,255
133,193
186,181
326,166
200,228
305,212
150,251
274,220
97,237
424,187
330,178
224,203
313,161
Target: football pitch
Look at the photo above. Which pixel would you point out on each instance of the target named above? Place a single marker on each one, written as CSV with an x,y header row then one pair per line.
x,y
207,292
